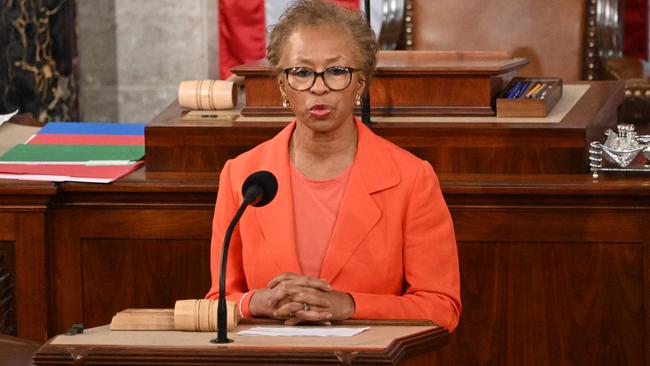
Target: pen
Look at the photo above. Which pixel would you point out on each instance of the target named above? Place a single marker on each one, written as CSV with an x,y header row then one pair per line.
x,y
522,90
545,91
534,89
513,90
540,91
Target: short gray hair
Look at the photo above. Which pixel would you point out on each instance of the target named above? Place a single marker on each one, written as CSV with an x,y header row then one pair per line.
x,y
313,13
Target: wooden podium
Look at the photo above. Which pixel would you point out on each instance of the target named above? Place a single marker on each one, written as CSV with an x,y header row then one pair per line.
x,y
380,344
406,83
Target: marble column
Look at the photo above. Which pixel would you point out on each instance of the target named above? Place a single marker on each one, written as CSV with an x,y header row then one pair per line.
x,y
133,54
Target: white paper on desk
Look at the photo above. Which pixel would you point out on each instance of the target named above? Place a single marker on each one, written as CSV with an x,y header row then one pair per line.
x,y
5,117
303,331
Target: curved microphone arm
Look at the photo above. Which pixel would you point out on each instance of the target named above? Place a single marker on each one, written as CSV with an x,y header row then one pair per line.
x,y
222,311
258,190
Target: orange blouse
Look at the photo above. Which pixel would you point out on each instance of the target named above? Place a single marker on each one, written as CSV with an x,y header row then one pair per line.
x,y
316,205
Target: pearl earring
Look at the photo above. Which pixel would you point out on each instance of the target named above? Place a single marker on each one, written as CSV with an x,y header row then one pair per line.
x,y
357,100
285,102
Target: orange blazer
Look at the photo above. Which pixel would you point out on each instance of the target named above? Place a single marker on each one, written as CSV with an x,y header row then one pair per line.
x,y
393,247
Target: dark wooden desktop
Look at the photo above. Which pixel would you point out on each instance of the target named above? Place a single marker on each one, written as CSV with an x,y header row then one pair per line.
x,y
555,266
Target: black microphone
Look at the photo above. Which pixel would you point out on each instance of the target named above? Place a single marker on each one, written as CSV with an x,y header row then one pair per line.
x,y
258,190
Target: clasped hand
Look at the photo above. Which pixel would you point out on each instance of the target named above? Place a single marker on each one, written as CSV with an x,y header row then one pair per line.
x,y
296,299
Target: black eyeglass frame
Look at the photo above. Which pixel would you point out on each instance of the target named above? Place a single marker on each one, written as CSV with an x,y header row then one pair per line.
x,y
350,70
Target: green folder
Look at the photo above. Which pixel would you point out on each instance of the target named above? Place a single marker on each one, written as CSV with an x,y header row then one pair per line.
x,y
73,153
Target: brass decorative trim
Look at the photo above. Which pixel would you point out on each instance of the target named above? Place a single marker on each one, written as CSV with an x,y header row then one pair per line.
x,y
392,24
409,26
603,36
406,39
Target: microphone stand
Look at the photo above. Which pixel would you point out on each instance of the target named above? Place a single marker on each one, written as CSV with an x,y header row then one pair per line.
x,y
365,102
222,310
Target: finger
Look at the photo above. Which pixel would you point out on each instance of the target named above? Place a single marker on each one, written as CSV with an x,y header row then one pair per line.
x,y
311,298
318,284
299,280
288,310
289,288
283,290
293,321
312,315
306,282
282,293
283,277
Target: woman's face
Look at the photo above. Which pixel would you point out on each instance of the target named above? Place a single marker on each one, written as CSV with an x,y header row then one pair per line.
x,y
320,108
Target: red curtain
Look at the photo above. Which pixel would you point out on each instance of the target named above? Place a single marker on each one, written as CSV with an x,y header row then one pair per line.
x,y
348,3
242,34
635,36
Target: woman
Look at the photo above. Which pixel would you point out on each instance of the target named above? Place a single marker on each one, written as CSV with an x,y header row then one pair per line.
x,y
358,228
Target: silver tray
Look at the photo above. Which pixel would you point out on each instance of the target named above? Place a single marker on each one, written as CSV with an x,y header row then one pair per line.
x,y
598,162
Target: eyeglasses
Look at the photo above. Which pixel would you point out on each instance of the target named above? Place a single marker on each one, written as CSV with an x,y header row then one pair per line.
x,y
335,77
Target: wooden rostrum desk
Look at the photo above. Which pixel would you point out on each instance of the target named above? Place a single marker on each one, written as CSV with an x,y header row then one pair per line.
x,y
555,267
402,344
483,146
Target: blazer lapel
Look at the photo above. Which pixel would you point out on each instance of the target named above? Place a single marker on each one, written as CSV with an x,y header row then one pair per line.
x,y
276,218
373,170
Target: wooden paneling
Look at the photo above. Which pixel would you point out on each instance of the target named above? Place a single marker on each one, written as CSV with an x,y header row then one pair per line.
x,y
573,255
550,303
31,274
115,258
22,224
554,268
7,229
406,83
456,148
465,25
131,272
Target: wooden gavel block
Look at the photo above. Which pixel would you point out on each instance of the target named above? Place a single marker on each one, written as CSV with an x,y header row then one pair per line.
x,y
187,315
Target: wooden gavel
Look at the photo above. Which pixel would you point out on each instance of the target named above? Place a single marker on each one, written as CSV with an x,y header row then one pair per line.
x,y
187,315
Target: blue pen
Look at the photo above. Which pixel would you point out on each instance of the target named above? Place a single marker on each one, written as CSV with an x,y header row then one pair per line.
x,y
521,91
514,90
